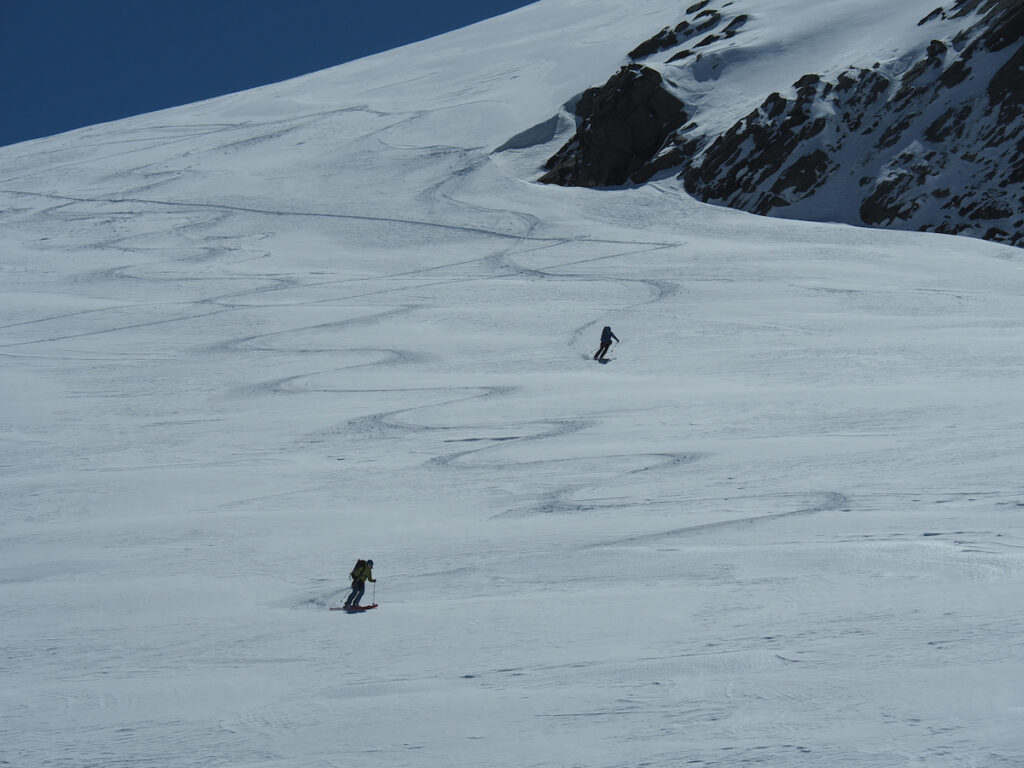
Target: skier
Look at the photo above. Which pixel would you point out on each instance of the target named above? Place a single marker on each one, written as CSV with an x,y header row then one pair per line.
x,y
606,342
362,573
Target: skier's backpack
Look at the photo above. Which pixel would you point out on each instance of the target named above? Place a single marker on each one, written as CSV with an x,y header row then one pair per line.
x,y
360,564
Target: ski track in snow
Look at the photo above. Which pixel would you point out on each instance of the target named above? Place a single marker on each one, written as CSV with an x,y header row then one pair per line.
x,y
784,527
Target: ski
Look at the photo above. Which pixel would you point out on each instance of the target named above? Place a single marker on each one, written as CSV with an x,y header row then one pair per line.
x,y
353,608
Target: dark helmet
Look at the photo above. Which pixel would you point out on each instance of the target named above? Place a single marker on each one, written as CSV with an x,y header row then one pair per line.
x,y
370,563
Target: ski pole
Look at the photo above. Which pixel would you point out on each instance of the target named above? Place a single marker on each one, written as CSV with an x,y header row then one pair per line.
x,y
374,598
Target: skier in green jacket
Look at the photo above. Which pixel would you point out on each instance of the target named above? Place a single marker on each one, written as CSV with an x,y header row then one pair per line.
x,y
362,573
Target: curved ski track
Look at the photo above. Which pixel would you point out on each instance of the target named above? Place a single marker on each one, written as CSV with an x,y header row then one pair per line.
x,y
516,234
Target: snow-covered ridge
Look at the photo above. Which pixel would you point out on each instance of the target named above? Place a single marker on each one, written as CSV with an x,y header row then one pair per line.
x,y
926,136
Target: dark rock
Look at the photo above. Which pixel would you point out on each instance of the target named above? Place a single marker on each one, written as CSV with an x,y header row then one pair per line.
x,y
680,56
1008,83
888,201
1005,24
964,7
895,131
999,236
956,74
803,175
734,26
669,38
666,161
713,19
660,42
807,81
937,48
774,106
991,210
950,123
585,105
626,124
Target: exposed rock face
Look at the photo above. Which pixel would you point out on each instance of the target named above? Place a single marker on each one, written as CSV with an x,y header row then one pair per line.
x,y
939,147
625,122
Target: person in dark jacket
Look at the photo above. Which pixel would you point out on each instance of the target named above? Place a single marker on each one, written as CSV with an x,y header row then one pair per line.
x,y
362,573
606,342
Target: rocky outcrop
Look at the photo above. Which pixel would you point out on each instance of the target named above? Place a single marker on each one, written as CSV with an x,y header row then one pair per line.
x,y
629,128
938,147
704,22
624,123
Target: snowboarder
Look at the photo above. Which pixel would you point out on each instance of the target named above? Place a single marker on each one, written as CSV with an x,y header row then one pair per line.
x,y
362,573
606,342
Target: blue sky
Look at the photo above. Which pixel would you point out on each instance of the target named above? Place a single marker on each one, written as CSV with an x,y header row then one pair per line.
x,y
69,63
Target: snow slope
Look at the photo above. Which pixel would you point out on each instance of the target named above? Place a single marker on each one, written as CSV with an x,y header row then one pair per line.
x,y
247,341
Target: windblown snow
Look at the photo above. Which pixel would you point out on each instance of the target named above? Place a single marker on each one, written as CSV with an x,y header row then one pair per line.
x,y
248,341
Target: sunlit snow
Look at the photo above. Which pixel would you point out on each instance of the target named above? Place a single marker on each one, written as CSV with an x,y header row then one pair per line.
x,y
245,342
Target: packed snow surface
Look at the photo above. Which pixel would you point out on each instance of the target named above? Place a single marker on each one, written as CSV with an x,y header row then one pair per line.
x,y
249,341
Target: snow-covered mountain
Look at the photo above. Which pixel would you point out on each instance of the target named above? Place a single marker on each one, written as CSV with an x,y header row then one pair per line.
x,y
247,341
916,128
